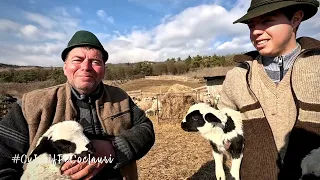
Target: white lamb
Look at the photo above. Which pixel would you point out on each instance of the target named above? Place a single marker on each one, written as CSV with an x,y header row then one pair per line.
x,y
61,142
310,165
223,129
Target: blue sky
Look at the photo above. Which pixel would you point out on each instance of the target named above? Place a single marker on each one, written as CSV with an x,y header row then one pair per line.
x,y
34,32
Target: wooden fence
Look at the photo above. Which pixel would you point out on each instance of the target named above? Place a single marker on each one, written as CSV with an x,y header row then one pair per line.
x,y
176,108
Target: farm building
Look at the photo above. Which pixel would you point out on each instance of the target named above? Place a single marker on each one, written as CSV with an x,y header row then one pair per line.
x,y
214,84
214,80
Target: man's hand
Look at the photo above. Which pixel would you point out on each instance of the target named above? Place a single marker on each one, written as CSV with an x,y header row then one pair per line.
x,y
86,170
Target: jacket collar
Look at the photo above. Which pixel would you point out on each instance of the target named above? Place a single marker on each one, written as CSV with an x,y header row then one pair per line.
x,y
306,43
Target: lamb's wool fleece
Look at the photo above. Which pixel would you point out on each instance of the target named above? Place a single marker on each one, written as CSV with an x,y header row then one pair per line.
x,y
311,163
41,168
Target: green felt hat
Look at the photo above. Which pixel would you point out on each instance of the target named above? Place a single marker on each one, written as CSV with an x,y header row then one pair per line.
x,y
260,7
84,38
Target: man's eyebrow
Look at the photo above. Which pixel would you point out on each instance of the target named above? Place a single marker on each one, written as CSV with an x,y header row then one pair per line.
x,y
77,56
97,59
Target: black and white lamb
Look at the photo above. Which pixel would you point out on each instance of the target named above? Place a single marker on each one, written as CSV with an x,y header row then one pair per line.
x,y
223,129
310,165
63,141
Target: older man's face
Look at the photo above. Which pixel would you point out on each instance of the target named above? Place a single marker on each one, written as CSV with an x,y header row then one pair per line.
x,y
84,69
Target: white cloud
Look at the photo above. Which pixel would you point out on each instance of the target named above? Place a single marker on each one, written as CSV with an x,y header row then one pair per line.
x,y
104,17
41,42
29,32
237,44
62,11
78,10
201,30
7,25
41,20
191,32
46,48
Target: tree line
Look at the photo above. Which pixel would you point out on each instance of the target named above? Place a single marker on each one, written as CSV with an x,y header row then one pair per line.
x,y
173,66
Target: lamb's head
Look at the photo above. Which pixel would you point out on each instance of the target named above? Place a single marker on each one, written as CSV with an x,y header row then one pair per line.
x,y
203,118
64,139
310,165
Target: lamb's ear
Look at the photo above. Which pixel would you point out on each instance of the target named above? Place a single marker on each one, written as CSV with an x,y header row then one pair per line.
x,y
44,146
229,126
212,118
62,146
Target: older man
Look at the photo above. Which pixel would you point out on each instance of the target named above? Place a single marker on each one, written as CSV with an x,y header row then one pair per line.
x,y
116,126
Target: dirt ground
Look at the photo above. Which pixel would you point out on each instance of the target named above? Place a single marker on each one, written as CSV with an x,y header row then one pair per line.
x,y
177,155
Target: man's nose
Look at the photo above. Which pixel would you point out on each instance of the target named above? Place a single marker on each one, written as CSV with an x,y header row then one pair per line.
x,y
258,29
86,65
257,32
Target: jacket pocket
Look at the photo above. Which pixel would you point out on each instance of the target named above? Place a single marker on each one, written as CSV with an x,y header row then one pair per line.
x,y
117,123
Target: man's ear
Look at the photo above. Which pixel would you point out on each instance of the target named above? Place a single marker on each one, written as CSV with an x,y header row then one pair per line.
x,y
64,69
296,19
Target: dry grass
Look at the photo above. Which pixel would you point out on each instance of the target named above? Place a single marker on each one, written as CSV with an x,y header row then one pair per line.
x,y
176,155
156,86
17,89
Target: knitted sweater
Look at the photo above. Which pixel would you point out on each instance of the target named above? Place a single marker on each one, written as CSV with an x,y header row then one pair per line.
x,y
283,118
120,118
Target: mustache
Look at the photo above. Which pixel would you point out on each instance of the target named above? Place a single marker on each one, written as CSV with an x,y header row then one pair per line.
x,y
86,75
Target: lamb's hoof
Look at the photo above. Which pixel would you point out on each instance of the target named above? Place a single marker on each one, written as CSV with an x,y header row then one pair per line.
x,y
220,176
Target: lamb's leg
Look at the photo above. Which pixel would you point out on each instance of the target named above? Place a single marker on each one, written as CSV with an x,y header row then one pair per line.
x,y
218,159
235,167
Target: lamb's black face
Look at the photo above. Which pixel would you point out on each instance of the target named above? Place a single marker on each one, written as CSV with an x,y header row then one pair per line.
x,y
88,153
61,146
66,139
310,177
192,121
195,120
48,146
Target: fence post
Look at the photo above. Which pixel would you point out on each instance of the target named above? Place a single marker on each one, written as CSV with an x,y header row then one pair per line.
x,y
157,110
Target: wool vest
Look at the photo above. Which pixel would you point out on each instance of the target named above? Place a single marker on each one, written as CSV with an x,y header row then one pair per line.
x,y
45,107
261,156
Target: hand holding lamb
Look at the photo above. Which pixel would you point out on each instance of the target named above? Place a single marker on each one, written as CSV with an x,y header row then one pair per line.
x,y
62,142
78,170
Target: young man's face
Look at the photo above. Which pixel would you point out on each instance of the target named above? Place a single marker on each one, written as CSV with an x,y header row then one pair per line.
x,y
272,34
84,69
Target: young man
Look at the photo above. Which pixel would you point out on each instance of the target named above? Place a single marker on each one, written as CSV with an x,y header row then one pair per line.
x,y
277,90
103,111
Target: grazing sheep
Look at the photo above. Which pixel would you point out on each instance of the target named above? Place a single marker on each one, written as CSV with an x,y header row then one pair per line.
x,y
61,142
310,165
156,107
223,129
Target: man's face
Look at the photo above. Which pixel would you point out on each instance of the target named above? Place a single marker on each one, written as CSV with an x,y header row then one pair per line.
x,y
273,34
84,69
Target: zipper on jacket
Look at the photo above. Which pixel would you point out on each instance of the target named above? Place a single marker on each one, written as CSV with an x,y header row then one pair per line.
x,y
280,64
92,118
120,114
